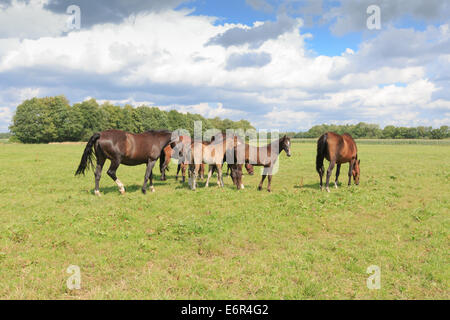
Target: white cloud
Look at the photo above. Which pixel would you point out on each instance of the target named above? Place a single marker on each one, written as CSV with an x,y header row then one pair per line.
x,y
35,21
162,59
207,110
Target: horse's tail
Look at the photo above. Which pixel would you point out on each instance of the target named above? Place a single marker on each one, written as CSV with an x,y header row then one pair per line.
x,y
322,147
88,155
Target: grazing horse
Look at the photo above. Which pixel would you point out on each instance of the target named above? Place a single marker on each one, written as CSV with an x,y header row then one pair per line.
x,y
127,148
338,150
266,157
248,167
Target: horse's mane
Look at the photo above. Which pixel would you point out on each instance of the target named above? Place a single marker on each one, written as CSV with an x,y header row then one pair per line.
x,y
158,131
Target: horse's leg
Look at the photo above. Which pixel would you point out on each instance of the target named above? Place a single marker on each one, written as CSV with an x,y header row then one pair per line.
x,y
210,172
183,172
329,171
202,171
321,178
151,165
194,176
350,169
98,173
112,173
338,170
269,182
178,171
148,175
261,183
219,175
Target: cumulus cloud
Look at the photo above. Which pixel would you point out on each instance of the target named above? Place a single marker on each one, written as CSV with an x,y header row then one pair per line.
x,y
111,11
262,73
207,110
255,36
248,60
35,21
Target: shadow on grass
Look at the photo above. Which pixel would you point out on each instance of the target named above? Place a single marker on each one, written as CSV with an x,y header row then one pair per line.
x,y
314,186
128,188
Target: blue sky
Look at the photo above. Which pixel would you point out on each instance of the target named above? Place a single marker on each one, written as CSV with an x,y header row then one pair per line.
x,y
281,64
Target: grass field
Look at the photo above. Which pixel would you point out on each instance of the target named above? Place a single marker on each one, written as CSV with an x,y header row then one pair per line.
x,y
293,243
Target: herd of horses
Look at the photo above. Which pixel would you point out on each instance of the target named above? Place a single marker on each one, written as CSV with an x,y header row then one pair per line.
x,y
131,149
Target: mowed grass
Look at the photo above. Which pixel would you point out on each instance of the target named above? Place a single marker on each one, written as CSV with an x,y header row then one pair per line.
x,y
293,243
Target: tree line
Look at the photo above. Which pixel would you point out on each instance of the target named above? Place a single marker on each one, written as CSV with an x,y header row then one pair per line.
x,y
373,131
53,119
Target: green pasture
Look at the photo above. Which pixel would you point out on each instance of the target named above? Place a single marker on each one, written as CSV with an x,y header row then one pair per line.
x,y
294,243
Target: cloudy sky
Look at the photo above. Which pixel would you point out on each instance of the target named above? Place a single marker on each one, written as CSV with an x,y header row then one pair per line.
x,y
282,64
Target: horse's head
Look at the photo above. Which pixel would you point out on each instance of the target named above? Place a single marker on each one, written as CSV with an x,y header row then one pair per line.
x,y
236,175
356,171
285,144
176,143
249,169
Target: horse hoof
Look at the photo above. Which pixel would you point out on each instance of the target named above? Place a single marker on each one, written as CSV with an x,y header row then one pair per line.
x,y
144,191
122,192
242,186
328,189
335,185
152,189
97,193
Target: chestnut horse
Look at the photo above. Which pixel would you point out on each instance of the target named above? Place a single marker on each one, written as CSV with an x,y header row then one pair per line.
x,y
127,148
168,153
267,156
338,150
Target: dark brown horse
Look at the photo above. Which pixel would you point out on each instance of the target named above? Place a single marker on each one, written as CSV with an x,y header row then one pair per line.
x,y
338,150
267,157
127,148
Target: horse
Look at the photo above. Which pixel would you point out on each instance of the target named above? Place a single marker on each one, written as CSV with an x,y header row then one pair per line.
x,y
213,153
266,157
337,149
168,153
125,148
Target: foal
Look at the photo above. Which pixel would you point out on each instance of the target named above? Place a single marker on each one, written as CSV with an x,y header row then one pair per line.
x,y
338,150
267,156
213,153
